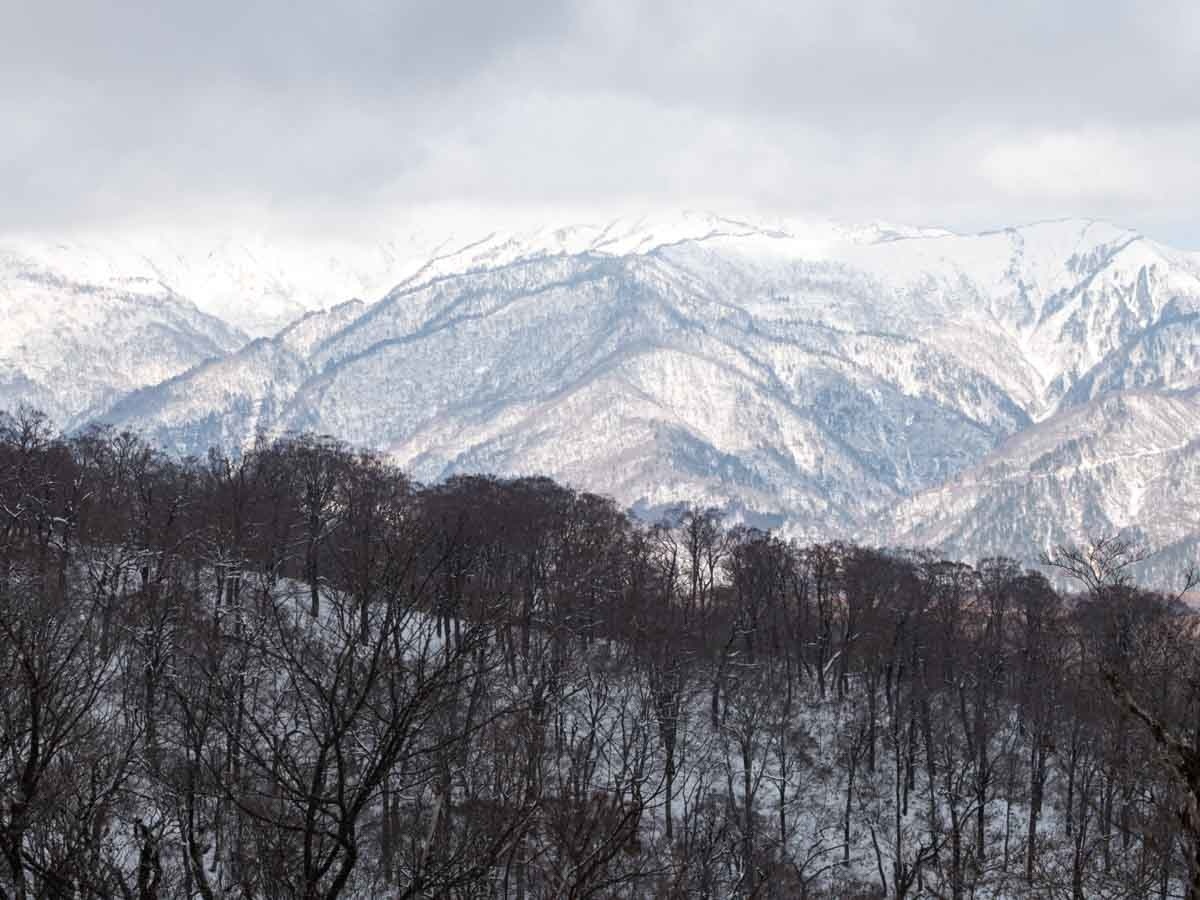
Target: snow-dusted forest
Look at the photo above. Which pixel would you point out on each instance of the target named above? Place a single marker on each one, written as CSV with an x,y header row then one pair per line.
x,y
297,673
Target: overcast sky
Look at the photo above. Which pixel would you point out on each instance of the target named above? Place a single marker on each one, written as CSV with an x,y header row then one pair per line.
x,y
943,112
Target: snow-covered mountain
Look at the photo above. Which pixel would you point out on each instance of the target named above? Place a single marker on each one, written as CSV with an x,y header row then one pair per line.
x,y
72,342
808,375
1125,462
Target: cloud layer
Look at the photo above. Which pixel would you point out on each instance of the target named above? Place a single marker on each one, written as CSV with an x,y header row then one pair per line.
x,y
939,112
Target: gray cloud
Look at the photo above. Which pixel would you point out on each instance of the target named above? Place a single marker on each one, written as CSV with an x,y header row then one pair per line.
x,y
938,112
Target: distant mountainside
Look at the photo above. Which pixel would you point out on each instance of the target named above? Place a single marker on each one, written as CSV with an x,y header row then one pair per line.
x,y
986,393
1126,462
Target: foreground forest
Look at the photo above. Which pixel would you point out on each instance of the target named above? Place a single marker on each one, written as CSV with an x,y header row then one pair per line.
x,y
295,673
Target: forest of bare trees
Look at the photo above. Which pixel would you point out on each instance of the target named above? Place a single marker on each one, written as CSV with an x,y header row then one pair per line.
x,y
295,673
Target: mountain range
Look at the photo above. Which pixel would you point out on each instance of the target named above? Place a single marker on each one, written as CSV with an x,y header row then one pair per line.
x,y
987,393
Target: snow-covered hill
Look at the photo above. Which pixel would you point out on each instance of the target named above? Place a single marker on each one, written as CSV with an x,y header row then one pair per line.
x,y
807,375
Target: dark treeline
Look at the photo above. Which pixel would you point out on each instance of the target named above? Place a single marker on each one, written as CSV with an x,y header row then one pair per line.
x,y
297,674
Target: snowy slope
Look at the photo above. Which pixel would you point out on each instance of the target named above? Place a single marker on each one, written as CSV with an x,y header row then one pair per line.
x,y
1164,355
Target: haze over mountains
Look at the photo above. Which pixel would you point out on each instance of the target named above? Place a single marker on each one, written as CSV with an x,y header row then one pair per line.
x,y
982,393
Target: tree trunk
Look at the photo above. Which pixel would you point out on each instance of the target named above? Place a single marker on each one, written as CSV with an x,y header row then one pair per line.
x,y
849,802
1036,778
670,777
748,819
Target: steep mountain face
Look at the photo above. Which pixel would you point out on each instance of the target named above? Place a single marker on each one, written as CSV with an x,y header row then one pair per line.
x,y
988,393
1165,355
